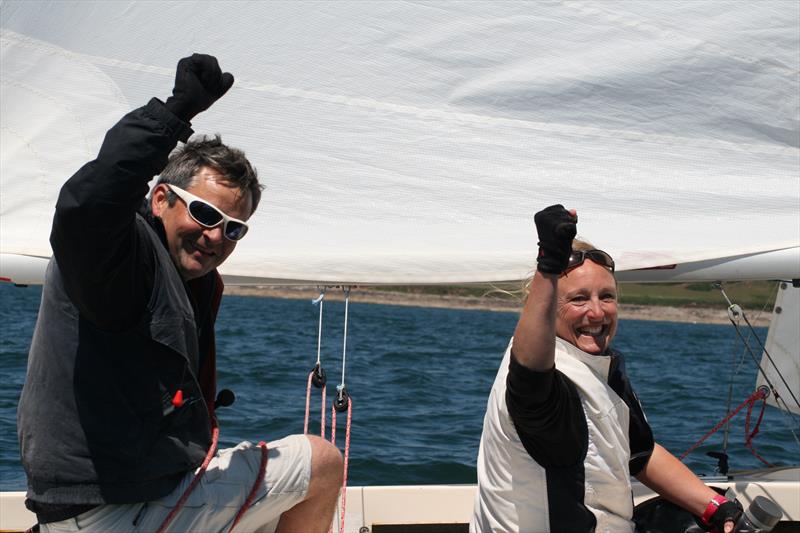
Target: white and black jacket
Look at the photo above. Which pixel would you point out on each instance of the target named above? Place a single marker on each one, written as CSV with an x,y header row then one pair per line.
x,y
558,447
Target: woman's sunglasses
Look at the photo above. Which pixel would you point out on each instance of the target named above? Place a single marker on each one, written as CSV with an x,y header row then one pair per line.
x,y
577,257
209,216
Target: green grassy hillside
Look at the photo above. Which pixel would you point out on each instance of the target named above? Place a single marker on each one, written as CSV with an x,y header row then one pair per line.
x,y
748,294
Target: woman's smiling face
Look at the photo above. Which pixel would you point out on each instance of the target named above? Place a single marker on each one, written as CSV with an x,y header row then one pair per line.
x,y
587,307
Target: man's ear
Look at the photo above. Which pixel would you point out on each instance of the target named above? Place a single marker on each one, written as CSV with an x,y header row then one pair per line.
x,y
159,200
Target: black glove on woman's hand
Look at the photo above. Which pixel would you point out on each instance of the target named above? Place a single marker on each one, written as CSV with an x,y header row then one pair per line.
x,y
556,228
729,511
199,82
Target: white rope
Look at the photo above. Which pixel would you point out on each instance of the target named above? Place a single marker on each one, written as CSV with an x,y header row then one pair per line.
x,y
319,300
344,337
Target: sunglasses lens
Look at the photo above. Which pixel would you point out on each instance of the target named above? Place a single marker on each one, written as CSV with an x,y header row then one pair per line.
x,y
204,213
601,258
597,256
234,230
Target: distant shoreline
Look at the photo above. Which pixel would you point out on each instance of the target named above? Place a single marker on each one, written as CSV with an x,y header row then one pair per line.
x,y
686,314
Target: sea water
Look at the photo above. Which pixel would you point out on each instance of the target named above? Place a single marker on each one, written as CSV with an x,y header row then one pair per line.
x,y
419,379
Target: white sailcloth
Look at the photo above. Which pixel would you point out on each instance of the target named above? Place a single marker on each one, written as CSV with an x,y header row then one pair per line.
x,y
781,362
412,142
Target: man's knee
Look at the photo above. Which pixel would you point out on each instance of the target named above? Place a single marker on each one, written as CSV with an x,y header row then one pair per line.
x,y
326,462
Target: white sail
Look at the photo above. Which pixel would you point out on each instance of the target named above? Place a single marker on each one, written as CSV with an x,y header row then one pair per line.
x,y
781,362
412,142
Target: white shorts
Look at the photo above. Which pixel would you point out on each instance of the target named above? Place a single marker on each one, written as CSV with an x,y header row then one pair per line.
x,y
215,501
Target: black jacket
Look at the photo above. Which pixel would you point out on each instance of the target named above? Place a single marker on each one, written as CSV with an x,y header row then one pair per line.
x,y
118,334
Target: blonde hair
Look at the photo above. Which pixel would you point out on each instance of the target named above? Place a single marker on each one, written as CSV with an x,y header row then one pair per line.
x,y
579,245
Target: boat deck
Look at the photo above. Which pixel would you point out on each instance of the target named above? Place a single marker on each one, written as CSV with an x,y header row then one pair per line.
x,y
447,508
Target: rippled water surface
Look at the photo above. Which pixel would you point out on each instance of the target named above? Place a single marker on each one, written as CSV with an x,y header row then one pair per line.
x,y
419,379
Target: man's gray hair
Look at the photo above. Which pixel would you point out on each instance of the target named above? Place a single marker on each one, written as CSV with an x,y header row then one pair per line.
x,y
187,160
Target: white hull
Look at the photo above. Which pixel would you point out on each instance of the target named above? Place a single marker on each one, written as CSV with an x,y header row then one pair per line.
x,y
372,507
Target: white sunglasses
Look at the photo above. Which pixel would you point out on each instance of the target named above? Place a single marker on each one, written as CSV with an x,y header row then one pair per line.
x,y
209,216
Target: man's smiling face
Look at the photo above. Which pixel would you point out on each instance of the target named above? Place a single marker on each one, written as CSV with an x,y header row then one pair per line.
x,y
197,250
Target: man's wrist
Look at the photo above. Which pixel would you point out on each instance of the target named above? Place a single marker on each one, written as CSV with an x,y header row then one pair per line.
x,y
159,110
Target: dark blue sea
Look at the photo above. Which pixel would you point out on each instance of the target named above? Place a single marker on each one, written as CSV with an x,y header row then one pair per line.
x,y
419,379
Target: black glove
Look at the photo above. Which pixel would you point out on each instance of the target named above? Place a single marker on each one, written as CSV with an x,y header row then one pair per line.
x,y
729,511
556,228
199,82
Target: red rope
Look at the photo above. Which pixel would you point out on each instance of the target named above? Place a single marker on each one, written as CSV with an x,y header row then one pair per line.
x,y
749,436
212,450
322,414
760,394
346,457
346,460
260,477
308,402
333,425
